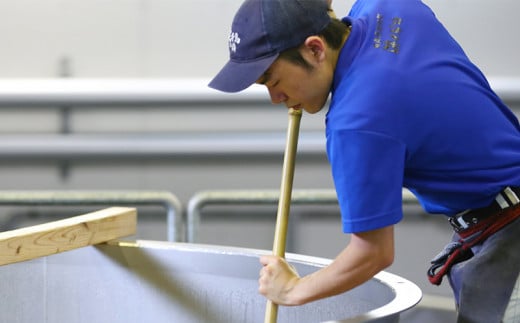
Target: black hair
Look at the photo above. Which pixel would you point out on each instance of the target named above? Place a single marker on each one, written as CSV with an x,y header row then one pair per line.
x,y
333,34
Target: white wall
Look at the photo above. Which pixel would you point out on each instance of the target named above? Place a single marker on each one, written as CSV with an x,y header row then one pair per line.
x,y
173,38
120,38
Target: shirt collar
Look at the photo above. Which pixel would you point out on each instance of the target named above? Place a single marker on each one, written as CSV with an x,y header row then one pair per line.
x,y
349,50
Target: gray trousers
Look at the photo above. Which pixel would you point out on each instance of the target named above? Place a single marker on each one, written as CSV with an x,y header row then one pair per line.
x,y
483,284
512,314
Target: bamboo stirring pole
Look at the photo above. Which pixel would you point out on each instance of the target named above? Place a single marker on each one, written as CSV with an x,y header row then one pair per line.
x,y
284,203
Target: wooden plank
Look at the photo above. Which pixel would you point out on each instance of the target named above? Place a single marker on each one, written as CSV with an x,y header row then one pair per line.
x,y
71,233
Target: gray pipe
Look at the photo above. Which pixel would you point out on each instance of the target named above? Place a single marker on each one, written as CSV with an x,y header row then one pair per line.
x,y
91,92
258,197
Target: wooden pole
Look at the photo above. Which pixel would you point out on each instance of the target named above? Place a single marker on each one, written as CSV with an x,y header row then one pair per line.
x,y
284,203
58,236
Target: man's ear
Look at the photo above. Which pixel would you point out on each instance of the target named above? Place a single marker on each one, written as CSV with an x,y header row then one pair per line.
x,y
314,49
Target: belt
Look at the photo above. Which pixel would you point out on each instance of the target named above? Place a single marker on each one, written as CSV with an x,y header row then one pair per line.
x,y
473,227
509,196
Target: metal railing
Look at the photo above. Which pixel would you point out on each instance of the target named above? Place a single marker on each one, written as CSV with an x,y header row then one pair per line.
x,y
174,220
258,197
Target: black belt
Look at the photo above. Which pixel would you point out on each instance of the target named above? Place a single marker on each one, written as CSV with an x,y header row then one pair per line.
x,y
509,196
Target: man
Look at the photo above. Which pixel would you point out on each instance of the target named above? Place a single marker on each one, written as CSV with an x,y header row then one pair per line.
x,y
408,109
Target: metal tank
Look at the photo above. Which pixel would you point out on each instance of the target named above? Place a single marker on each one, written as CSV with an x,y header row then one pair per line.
x,y
151,281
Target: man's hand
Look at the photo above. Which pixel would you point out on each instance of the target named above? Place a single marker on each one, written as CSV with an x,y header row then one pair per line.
x,y
277,280
366,254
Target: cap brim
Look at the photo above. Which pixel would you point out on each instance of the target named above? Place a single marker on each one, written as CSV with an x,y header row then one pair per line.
x,y
237,76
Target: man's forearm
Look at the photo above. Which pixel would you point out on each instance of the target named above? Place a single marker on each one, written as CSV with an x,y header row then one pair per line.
x,y
366,255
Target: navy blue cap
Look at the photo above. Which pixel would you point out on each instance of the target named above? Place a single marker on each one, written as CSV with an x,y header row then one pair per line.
x,y
261,30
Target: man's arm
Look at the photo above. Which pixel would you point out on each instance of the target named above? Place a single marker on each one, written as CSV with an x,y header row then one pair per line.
x,y
366,254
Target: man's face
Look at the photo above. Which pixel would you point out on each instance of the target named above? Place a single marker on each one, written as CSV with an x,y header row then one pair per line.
x,y
296,86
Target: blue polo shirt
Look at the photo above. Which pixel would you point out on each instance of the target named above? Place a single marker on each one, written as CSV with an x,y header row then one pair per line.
x,y
409,109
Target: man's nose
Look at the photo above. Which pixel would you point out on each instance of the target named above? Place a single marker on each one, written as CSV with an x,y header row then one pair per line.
x,y
277,97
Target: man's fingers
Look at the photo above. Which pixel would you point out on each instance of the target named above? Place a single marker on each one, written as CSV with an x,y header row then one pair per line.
x,y
268,259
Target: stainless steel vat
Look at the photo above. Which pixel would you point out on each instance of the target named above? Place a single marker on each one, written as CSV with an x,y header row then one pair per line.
x,y
150,281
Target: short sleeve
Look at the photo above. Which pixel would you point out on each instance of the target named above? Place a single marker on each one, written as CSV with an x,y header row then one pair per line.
x,y
368,172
